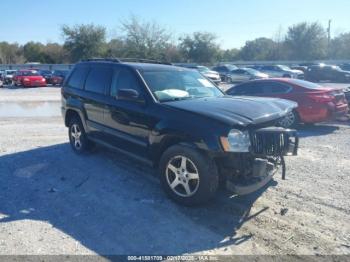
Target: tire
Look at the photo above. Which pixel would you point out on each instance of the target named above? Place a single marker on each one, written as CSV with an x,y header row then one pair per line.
x,y
77,136
177,165
291,120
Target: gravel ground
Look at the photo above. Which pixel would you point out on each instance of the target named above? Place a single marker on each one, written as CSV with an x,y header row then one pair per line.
x,y
55,202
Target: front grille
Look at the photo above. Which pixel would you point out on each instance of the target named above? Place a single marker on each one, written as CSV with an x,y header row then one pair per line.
x,y
269,142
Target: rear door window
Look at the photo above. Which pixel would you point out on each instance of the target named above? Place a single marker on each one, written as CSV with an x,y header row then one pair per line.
x,y
250,89
78,77
99,79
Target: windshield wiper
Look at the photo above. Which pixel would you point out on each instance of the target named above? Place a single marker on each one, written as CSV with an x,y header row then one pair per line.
x,y
176,99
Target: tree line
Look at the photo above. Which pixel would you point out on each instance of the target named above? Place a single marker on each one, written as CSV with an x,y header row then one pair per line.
x,y
149,40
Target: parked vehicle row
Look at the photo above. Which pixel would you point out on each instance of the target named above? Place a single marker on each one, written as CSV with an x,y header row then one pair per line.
x,y
316,103
32,77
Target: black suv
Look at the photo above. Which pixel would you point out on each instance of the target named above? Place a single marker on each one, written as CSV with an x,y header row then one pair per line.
x,y
327,73
176,120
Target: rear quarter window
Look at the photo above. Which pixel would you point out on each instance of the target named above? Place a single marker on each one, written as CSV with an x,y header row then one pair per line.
x,y
77,79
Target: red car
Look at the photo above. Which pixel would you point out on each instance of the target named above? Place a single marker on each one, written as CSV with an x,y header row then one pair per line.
x,y
58,77
316,103
28,78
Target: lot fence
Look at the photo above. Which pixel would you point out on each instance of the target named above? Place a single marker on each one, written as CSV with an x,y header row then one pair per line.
x,y
238,63
37,66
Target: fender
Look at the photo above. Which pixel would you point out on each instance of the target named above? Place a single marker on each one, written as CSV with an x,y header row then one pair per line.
x,y
77,106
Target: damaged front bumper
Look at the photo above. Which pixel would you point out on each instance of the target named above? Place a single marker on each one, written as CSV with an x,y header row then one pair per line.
x,y
245,173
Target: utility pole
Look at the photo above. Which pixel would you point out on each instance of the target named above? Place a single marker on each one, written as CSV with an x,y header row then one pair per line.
x,y
329,37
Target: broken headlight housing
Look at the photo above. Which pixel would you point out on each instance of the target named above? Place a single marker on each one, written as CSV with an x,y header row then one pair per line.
x,y
236,141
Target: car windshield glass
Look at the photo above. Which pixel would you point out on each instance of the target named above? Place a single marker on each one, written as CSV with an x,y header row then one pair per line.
x,y
231,67
10,72
283,67
30,73
251,71
179,85
203,69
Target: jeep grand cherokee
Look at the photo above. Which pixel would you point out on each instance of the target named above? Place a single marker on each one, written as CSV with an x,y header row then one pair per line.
x,y
178,121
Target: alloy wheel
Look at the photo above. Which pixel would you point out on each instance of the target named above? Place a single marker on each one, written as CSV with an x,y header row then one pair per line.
x,y
76,134
288,120
182,176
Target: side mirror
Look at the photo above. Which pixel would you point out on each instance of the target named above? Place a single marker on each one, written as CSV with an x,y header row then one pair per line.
x,y
129,95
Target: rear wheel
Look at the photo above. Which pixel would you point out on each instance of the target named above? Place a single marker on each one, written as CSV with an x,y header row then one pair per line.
x,y
290,120
188,176
77,136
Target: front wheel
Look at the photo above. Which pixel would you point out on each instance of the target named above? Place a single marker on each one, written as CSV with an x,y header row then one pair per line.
x,y
188,176
290,120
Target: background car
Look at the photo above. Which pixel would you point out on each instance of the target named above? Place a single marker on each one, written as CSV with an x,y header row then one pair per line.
x,y
280,71
345,66
8,76
300,68
327,73
47,74
347,94
245,74
58,77
316,103
29,78
224,71
212,75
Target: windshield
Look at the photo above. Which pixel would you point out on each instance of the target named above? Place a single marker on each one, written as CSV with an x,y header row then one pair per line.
x,y
179,85
203,69
231,67
29,73
251,71
10,72
283,67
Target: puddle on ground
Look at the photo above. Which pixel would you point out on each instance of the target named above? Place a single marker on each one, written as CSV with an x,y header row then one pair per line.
x,y
30,109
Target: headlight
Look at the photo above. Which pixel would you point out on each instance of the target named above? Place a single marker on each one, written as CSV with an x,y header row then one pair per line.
x,y
236,141
26,80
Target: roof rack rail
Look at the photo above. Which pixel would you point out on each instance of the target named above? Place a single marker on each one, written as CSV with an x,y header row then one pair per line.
x,y
130,60
116,60
142,60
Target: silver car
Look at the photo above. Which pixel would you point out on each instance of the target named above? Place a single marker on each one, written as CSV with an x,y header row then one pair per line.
x,y
245,74
212,75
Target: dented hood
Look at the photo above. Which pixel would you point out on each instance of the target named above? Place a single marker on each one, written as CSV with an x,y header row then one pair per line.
x,y
241,111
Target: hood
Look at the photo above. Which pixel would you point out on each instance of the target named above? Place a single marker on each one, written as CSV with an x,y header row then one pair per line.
x,y
34,78
233,111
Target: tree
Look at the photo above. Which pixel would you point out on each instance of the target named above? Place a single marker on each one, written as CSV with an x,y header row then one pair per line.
x,y
10,53
201,47
229,55
258,50
340,47
33,52
306,41
144,39
54,53
115,48
84,41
